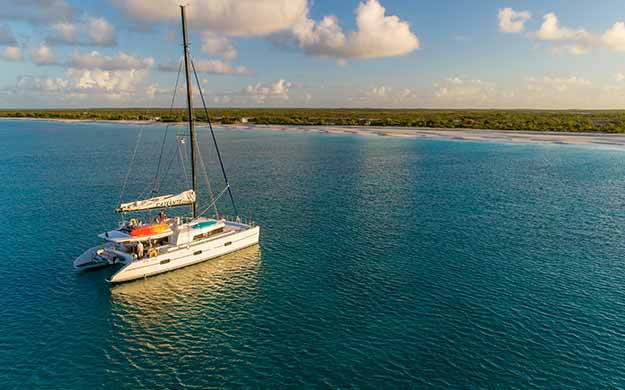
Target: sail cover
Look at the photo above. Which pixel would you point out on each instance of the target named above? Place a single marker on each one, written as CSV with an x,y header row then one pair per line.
x,y
159,202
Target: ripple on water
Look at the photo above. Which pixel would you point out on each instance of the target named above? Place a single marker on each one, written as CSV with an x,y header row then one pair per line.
x,y
383,263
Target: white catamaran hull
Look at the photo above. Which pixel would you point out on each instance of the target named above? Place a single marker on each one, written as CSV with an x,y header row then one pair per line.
x,y
192,253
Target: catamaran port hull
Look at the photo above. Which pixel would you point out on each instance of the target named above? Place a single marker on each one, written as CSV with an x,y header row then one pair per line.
x,y
98,257
190,254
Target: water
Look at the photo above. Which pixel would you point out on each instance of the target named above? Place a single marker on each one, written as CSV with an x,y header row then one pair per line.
x,y
383,263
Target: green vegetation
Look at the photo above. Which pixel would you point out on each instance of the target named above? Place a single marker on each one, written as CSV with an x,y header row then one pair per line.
x,y
570,121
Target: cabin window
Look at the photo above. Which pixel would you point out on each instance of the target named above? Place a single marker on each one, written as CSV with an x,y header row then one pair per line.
x,y
197,253
227,243
165,261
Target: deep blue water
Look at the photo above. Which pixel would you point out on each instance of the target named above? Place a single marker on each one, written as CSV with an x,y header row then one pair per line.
x,y
383,263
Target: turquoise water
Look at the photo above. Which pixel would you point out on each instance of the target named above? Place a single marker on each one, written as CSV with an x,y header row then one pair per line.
x,y
383,263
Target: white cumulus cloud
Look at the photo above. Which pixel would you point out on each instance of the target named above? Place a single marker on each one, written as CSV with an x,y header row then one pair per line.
x,y
551,30
511,21
122,61
100,31
116,82
42,84
457,91
557,84
229,17
43,55
614,37
578,40
377,35
87,32
262,92
64,32
216,44
12,53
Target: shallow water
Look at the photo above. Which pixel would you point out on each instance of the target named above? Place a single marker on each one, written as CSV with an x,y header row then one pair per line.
x,y
383,263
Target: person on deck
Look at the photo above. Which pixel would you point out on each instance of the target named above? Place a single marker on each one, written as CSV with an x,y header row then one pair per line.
x,y
139,250
162,216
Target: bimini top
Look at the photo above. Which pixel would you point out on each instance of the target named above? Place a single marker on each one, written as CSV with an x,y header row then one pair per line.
x,y
159,202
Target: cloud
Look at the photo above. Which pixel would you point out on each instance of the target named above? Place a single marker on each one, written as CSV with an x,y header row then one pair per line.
x,y
81,81
209,66
260,93
557,84
614,37
619,77
63,32
228,17
6,36
86,87
122,61
386,96
218,45
37,11
276,93
43,55
580,40
116,82
380,91
100,31
41,84
546,92
88,32
457,91
511,21
551,30
377,35
12,53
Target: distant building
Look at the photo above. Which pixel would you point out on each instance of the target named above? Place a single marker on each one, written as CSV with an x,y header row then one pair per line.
x,y
243,120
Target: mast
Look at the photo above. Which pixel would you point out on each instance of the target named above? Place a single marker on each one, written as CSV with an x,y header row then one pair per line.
x,y
189,106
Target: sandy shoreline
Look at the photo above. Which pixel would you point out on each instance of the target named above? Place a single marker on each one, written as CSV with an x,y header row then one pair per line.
x,y
506,136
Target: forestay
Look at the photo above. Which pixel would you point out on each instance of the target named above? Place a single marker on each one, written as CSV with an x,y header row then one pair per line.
x,y
164,201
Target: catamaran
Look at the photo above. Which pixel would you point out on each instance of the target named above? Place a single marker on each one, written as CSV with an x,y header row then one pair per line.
x,y
149,248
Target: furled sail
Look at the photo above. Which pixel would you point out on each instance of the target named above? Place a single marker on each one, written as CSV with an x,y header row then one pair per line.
x,y
159,202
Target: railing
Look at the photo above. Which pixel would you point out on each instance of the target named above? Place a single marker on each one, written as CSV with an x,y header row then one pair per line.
x,y
185,219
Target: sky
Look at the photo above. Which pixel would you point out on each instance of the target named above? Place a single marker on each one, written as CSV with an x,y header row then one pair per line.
x,y
558,54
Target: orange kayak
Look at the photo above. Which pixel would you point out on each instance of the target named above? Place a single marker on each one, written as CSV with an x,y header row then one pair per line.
x,y
149,230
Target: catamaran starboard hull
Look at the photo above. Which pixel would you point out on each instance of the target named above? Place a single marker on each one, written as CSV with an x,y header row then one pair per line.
x,y
188,255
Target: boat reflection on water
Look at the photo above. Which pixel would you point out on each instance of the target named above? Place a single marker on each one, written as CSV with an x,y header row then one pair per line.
x,y
194,290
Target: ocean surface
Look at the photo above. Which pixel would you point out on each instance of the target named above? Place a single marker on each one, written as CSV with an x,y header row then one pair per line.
x,y
383,263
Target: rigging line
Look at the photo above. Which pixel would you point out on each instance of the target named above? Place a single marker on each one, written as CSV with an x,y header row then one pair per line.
x,y
132,160
179,135
161,183
171,160
215,201
210,126
171,107
150,191
208,184
182,162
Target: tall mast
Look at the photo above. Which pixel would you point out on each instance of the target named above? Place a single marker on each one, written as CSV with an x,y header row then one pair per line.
x,y
189,105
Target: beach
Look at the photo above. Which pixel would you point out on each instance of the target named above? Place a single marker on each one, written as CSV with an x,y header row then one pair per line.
x,y
508,136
